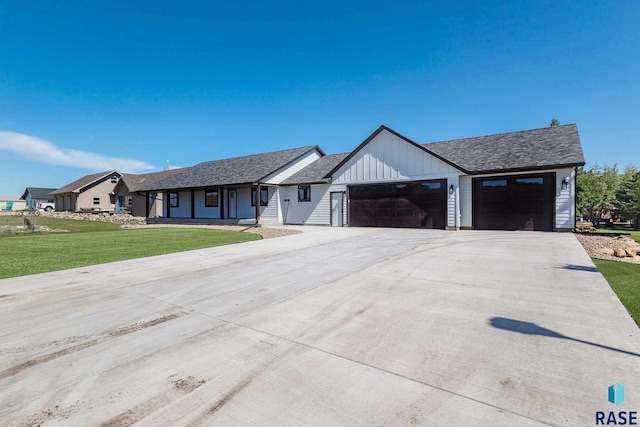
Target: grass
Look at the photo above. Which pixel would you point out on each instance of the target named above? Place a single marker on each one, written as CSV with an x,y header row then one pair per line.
x,y
30,253
71,225
634,234
624,279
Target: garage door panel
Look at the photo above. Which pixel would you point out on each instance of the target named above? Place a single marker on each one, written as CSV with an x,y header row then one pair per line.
x,y
407,205
514,202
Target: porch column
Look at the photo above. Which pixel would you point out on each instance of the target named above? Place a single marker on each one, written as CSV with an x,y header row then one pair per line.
x,y
146,203
168,203
193,204
257,203
221,202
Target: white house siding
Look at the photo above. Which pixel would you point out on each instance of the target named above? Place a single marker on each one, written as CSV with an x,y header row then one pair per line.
x,y
452,212
285,172
201,211
466,212
389,158
565,208
270,212
184,206
316,212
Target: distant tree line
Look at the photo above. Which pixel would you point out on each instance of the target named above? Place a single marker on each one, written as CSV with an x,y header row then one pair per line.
x,y
606,193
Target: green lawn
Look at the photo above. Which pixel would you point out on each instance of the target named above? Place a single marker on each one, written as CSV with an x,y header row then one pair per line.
x,y
634,234
64,224
624,279
30,253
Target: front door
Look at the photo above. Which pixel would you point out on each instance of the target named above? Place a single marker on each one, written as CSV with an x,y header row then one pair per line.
x,y
233,204
120,203
336,209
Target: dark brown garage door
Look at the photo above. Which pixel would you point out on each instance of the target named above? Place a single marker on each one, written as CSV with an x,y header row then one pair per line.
x,y
520,202
412,205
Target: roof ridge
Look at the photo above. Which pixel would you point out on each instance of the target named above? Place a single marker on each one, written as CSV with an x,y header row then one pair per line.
x,y
308,147
498,134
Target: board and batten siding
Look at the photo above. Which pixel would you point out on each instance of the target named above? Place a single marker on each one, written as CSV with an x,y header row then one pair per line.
x,y
285,172
390,158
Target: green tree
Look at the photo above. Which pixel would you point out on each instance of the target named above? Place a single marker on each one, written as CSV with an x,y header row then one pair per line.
x,y
596,192
628,196
554,122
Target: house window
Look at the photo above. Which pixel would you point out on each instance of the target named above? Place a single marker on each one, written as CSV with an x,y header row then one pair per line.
x,y
114,179
495,183
96,200
304,193
129,201
211,199
173,200
264,197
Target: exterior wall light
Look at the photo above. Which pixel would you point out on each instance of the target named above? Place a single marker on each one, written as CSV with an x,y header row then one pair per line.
x,y
565,183
451,189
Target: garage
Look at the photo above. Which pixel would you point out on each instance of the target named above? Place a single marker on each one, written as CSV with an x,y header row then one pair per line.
x,y
405,204
518,202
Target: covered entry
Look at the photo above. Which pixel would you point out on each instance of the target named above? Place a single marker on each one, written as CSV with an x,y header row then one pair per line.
x,y
405,204
518,202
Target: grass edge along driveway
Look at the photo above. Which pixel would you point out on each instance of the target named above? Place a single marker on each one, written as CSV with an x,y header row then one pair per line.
x,y
624,279
45,252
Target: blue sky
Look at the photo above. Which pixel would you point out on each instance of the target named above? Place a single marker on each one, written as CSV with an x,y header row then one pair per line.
x,y
87,86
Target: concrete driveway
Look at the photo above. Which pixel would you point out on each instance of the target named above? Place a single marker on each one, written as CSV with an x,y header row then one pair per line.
x,y
329,327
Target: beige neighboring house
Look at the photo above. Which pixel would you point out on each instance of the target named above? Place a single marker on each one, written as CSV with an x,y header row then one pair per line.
x,y
93,192
129,198
12,203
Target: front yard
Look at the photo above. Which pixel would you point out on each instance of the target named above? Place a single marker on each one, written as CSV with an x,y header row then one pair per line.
x,y
92,242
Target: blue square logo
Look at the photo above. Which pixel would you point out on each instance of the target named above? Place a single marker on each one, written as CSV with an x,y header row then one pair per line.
x,y
616,394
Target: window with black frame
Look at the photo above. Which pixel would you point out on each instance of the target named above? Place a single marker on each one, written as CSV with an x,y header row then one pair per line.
x,y
211,199
304,193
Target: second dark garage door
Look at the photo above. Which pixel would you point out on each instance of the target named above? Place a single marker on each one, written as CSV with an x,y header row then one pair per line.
x,y
411,205
518,202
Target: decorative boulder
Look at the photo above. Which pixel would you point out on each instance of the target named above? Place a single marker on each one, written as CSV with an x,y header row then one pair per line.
x,y
619,252
604,251
630,251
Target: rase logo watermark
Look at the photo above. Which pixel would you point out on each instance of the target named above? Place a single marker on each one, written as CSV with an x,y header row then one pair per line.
x,y
615,395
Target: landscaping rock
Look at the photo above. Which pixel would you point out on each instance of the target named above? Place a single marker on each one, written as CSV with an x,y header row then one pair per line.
x,y
620,252
604,251
630,251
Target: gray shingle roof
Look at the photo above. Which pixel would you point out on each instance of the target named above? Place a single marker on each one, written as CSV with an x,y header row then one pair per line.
x,y
238,170
38,193
316,171
528,149
82,182
135,182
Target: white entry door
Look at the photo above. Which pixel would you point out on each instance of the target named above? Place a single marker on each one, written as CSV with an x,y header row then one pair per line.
x,y
233,204
336,209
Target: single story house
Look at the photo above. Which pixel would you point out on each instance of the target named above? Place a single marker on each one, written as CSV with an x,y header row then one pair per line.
x,y
238,188
90,193
12,203
512,181
33,196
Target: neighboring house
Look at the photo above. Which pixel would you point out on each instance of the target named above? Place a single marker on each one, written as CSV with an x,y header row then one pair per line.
x,y
238,188
89,193
130,199
12,203
33,196
512,181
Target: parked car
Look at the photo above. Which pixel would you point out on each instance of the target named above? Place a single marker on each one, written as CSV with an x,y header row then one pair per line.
x,y
46,206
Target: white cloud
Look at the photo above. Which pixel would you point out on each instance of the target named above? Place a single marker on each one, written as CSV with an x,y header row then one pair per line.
x,y
41,151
